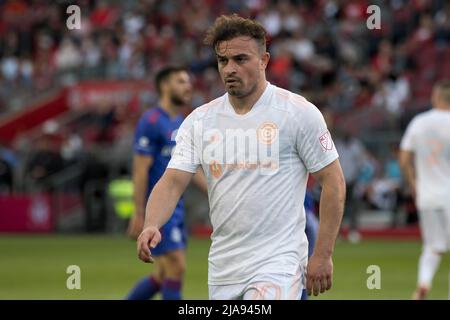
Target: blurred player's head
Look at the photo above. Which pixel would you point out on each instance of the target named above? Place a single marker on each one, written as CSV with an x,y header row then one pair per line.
x,y
440,97
173,83
240,46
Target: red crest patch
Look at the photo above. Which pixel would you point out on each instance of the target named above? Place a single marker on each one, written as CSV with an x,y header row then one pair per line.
x,y
326,142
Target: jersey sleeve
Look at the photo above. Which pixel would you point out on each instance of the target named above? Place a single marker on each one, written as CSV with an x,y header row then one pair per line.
x,y
314,143
185,156
407,142
146,137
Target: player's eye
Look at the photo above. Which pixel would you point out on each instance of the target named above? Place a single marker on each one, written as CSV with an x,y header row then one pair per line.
x,y
222,60
241,59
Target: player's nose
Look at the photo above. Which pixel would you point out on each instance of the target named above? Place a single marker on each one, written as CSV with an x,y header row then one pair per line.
x,y
229,69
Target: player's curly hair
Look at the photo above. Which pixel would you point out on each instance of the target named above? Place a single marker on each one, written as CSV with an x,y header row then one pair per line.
x,y
227,27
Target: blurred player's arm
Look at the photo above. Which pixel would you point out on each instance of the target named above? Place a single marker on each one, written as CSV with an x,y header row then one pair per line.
x,y
406,160
160,206
320,266
141,165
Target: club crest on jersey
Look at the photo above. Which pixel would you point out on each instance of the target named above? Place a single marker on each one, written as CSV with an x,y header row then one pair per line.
x,y
267,132
326,142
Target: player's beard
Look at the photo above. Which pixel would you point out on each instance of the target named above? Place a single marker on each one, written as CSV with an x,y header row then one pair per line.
x,y
240,92
177,100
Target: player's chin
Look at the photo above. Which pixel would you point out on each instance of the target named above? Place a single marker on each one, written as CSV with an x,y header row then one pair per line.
x,y
233,91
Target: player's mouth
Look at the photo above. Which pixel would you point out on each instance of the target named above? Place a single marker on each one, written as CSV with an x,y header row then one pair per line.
x,y
231,81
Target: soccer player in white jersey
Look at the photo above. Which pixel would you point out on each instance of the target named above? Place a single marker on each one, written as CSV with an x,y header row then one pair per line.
x,y
256,144
425,161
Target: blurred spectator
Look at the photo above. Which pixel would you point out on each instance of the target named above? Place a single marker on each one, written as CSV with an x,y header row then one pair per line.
x,y
320,49
384,192
352,156
392,95
68,55
71,148
45,160
8,162
130,40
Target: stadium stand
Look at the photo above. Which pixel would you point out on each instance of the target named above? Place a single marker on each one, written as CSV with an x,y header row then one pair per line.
x,y
72,97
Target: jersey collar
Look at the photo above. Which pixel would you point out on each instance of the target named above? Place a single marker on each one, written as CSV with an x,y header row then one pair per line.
x,y
261,102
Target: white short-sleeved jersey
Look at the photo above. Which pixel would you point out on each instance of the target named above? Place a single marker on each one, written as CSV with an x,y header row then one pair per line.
x,y
256,166
428,136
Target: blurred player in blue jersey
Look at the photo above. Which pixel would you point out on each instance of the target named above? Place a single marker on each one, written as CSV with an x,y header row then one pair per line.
x,y
153,143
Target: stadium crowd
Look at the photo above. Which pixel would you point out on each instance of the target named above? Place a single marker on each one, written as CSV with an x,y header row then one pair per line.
x,y
320,49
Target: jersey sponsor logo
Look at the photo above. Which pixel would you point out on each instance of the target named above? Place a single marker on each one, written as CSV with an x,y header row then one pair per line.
x,y
267,132
143,142
326,142
242,149
215,169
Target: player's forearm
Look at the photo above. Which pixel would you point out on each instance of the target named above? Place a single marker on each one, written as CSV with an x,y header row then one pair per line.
x,y
199,180
331,211
140,181
408,169
163,199
410,177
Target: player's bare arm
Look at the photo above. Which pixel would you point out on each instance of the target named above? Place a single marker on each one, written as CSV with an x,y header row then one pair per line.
x,y
406,159
320,265
160,206
141,165
199,180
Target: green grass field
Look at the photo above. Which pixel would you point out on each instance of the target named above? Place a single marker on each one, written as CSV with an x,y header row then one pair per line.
x,y
34,267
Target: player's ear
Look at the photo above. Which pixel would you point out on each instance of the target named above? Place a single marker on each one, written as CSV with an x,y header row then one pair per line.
x,y
265,57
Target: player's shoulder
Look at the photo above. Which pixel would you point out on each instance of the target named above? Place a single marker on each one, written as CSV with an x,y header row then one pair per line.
x,y
423,118
150,116
298,109
425,114
207,108
292,102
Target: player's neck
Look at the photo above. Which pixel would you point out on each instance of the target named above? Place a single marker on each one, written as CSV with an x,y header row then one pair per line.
x,y
443,107
245,104
172,110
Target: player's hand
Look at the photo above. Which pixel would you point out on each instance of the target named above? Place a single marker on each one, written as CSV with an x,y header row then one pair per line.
x,y
319,275
148,239
135,226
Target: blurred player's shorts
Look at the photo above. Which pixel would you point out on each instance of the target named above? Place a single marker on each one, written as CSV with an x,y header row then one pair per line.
x,y
173,236
435,228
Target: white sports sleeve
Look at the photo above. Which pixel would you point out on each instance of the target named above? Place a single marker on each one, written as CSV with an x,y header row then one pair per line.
x,y
313,140
407,143
185,156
